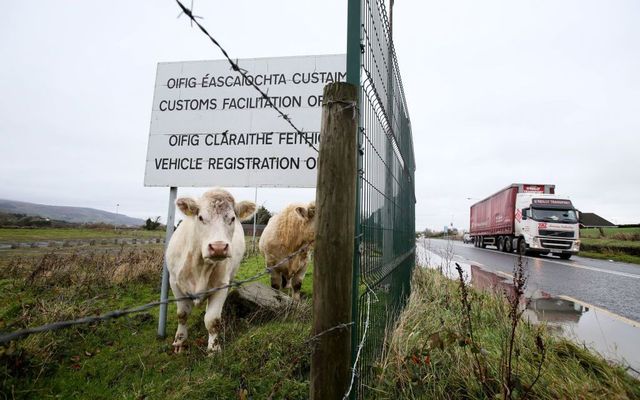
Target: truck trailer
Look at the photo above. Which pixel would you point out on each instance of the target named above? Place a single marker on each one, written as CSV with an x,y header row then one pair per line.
x,y
527,218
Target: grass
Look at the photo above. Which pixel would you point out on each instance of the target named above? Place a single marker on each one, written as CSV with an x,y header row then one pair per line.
x,y
632,234
35,253
262,357
429,355
613,244
618,244
72,240
611,255
43,234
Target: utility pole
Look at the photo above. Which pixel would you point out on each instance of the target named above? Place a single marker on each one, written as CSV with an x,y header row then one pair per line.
x,y
334,248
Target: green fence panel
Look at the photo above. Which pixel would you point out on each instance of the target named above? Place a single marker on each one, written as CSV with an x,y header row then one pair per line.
x,y
385,209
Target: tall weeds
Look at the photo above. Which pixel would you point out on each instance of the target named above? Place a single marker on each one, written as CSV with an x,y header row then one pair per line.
x,y
67,286
480,369
86,269
59,286
454,342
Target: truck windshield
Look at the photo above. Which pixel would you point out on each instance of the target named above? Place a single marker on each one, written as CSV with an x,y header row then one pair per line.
x,y
551,215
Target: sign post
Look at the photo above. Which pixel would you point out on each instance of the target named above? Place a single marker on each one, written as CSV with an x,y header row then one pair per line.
x,y
164,289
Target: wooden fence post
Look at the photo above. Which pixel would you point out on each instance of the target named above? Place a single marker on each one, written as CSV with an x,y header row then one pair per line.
x,y
333,260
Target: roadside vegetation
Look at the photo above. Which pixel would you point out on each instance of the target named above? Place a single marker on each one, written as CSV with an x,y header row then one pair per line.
x,y
442,347
449,347
618,244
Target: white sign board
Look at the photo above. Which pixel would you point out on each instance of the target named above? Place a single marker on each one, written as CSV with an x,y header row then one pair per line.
x,y
210,127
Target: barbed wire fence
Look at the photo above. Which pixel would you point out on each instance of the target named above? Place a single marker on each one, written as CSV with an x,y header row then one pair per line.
x,y
23,333
7,338
244,73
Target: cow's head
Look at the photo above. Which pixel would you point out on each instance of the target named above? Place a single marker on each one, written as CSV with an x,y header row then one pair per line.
x,y
216,217
308,215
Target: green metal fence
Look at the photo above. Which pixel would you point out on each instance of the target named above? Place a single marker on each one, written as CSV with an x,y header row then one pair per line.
x,y
385,213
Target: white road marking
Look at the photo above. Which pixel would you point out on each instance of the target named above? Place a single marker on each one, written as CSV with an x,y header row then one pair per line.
x,y
575,265
625,274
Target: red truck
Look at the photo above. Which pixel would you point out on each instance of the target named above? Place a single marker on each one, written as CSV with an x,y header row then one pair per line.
x,y
529,218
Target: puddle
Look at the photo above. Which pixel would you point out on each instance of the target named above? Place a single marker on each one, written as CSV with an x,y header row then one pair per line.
x,y
599,330
485,280
611,336
615,338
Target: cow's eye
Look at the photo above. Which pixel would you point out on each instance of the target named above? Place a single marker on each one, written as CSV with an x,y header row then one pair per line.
x,y
233,219
200,218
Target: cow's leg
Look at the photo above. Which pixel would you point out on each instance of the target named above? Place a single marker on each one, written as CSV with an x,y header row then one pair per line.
x,y
212,318
296,282
184,309
287,274
276,279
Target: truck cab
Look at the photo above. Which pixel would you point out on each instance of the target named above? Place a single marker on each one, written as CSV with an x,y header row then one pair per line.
x,y
546,223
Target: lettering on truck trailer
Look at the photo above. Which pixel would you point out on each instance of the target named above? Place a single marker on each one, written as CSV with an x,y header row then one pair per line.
x,y
532,189
551,202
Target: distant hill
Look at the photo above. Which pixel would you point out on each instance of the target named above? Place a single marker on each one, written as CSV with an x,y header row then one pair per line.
x,y
78,215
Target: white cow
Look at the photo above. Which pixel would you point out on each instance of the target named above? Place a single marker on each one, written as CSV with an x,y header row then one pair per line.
x,y
205,252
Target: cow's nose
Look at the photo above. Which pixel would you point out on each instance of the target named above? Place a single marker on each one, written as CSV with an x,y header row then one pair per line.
x,y
218,249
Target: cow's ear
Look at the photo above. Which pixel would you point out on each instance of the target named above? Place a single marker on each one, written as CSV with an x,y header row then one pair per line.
x,y
302,212
245,210
307,212
188,206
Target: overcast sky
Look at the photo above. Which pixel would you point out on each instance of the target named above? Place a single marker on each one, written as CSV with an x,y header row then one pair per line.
x,y
498,92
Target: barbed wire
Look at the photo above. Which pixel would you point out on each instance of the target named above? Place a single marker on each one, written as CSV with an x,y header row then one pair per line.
x,y
354,369
244,73
333,328
21,334
195,16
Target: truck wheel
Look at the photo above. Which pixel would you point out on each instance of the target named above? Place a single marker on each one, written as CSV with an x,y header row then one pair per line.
x,y
522,247
500,244
508,244
565,256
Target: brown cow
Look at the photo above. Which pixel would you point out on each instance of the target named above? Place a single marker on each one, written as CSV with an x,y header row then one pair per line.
x,y
286,233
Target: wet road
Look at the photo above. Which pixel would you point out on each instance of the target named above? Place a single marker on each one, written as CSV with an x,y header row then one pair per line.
x,y
610,285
